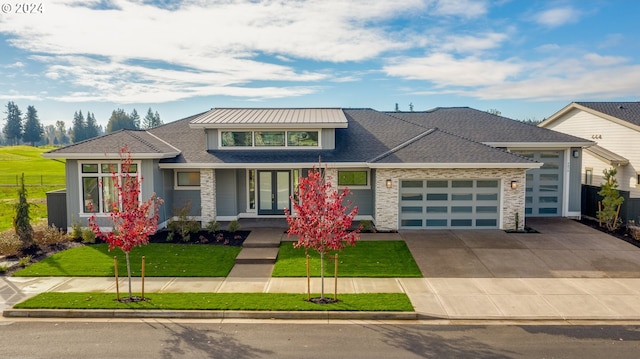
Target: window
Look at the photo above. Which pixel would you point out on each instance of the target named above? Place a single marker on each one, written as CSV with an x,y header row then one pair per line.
x,y
236,138
638,179
588,176
353,178
99,190
269,138
187,179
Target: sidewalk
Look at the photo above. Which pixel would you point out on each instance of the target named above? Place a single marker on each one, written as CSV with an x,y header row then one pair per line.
x,y
433,298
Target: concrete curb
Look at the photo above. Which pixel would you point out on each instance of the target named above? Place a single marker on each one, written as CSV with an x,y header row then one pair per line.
x,y
208,314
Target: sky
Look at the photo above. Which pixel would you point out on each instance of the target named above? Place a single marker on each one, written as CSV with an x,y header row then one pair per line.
x,y
526,59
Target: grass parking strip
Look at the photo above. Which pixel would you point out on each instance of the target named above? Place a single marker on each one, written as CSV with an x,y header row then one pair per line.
x,y
393,302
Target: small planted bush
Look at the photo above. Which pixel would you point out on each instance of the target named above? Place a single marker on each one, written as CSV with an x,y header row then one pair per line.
x,y
233,226
50,235
9,243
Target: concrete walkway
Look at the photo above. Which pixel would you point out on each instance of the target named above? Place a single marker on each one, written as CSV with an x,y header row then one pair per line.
x,y
566,272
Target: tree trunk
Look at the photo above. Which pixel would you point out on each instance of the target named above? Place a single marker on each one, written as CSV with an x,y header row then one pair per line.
x,y
126,255
322,275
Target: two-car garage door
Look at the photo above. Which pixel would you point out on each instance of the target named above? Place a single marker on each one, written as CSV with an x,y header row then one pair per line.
x,y
460,203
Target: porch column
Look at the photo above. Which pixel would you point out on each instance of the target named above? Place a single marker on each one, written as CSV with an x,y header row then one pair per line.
x,y
207,195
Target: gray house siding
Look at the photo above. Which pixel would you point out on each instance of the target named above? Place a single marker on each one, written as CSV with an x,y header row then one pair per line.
x,y
182,198
226,193
164,183
575,182
212,139
328,138
73,193
241,176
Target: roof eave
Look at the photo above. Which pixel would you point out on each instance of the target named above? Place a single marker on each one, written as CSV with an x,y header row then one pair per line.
x,y
251,126
540,144
456,165
110,156
578,106
290,165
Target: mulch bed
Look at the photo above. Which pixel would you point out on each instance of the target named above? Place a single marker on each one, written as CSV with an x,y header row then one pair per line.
x,y
621,233
236,238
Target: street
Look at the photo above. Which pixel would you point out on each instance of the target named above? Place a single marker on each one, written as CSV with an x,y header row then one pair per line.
x,y
214,339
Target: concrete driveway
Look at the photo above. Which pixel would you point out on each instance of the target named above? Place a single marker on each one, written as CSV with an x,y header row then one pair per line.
x,y
563,249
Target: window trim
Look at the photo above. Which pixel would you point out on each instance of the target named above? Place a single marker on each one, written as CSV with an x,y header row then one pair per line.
x,y
185,188
368,173
100,176
253,145
586,171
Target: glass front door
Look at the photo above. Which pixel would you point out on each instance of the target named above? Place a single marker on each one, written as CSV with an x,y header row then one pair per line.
x,y
273,191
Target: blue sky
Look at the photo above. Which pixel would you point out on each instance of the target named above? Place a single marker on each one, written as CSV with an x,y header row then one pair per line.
x,y
527,59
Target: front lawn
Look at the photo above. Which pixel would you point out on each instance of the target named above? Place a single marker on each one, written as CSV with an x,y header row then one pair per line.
x,y
220,301
162,260
381,259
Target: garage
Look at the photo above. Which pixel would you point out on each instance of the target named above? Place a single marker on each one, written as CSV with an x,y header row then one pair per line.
x,y
443,203
544,185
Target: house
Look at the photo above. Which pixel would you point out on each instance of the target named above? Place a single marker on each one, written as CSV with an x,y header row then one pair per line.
x,y
443,168
615,128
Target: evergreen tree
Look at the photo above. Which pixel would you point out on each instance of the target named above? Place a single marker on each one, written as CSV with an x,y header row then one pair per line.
x,y
22,222
79,127
33,130
120,120
13,127
609,213
151,120
135,118
92,130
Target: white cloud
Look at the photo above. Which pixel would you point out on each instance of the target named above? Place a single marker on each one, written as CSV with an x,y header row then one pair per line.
x,y
446,70
472,44
200,46
462,8
557,16
599,60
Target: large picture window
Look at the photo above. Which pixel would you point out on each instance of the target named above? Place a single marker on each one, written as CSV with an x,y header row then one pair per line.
x,y
282,138
98,190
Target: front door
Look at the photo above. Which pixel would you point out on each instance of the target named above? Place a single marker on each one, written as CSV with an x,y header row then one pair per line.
x,y
273,191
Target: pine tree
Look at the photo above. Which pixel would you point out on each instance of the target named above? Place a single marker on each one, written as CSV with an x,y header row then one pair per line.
x,y
135,118
22,222
33,130
151,120
79,127
91,129
611,200
120,120
13,127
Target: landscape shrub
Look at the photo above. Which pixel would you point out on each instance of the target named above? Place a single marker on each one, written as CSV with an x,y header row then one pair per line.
x,y
9,243
88,236
233,226
49,235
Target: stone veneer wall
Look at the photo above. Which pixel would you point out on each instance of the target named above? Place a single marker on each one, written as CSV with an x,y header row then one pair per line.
x,y
207,195
512,200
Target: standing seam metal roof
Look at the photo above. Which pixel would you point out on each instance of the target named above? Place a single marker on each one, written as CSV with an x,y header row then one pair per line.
x,y
226,117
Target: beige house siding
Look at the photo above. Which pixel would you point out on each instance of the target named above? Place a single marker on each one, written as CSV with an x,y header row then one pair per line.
x,y
512,200
207,195
615,137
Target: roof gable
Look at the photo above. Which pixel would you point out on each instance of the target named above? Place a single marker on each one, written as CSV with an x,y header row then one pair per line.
x,y
623,113
141,144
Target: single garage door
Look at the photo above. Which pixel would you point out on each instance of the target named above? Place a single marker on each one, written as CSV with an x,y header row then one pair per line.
x,y
464,203
544,184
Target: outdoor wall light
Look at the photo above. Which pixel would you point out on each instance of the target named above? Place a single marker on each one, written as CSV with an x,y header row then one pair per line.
x,y
576,153
389,183
514,184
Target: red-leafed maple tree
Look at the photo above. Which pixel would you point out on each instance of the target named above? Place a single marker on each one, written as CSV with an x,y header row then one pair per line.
x,y
133,220
321,220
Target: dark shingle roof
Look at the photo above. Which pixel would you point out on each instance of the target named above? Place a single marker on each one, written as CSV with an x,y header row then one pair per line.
x,y
484,127
138,142
626,111
449,135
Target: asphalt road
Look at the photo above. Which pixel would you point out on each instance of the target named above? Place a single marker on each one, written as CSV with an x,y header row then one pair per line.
x,y
170,339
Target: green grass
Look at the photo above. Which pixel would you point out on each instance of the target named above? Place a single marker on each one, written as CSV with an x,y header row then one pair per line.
x,y
15,160
162,260
220,301
382,259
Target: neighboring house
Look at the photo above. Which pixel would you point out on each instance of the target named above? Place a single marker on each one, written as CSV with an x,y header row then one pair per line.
x,y
443,168
615,127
